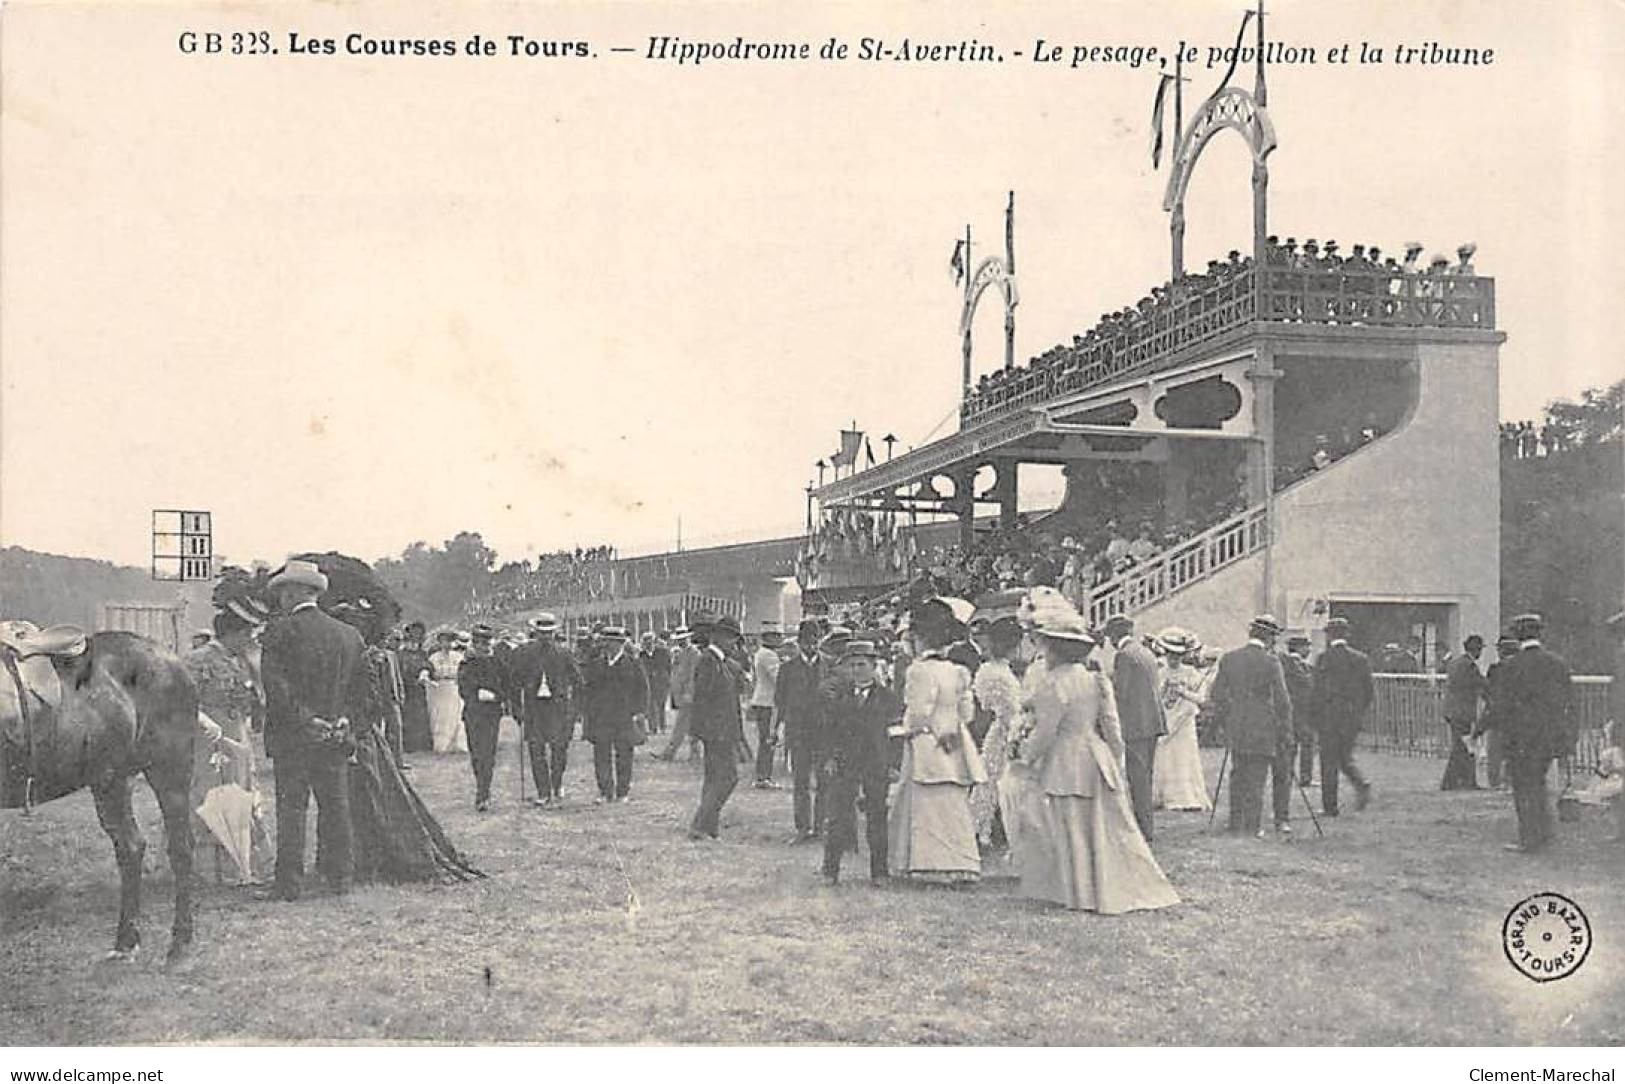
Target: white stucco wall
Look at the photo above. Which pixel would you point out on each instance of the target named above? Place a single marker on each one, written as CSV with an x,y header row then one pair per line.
x,y
1415,517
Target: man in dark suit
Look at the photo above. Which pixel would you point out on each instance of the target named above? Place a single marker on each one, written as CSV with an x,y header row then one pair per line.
x,y
1495,709
800,712
1539,722
1464,688
655,658
315,684
546,681
1250,701
857,758
1300,686
1139,709
618,699
720,676
1343,692
483,683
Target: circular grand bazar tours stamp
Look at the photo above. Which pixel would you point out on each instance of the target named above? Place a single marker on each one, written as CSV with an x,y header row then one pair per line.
x,y
1546,937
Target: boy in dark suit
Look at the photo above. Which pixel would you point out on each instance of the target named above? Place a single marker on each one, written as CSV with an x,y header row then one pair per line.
x,y
857,758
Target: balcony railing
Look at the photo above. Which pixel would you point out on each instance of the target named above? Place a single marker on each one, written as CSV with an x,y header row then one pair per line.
x,y
1177,567
1161,331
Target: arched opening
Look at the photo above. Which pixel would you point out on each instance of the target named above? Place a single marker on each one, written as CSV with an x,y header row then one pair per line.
x,y
1219,202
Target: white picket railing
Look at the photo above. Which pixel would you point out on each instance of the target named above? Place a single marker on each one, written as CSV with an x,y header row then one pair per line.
x,y
1178,567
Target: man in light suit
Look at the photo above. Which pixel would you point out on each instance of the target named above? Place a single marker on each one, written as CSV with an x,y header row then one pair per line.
x,y
1250,699
1139,709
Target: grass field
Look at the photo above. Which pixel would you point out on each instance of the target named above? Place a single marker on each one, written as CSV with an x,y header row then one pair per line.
x,y
1385,932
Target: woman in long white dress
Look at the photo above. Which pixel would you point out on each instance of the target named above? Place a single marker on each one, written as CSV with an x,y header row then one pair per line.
x,y
1177,782
1094,857
445,702
932,835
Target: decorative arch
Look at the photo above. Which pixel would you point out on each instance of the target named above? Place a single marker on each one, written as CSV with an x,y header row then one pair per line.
x,y
1231,107
1228,107
991,272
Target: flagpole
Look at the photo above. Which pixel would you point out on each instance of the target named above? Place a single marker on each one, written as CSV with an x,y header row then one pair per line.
x,y
964,388
1178,223
1010,272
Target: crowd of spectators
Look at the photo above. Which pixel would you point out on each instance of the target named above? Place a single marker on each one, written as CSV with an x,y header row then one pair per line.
x,y
1362,286
1327,449
1526,440
563,576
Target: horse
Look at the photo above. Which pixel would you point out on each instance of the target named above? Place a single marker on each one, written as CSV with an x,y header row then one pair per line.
x,y
78,712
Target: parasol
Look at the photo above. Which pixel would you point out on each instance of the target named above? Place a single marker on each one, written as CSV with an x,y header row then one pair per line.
x,y
228,812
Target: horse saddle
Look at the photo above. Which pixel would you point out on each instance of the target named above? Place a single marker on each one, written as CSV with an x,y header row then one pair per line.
x,y
33,649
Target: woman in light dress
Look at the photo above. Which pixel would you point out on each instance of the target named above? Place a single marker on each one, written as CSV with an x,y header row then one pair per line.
x,y
1177,782
998,692
933,837
1093,856
445,702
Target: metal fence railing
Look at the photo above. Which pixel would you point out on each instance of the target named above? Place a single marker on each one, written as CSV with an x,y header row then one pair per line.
x,y
1407,717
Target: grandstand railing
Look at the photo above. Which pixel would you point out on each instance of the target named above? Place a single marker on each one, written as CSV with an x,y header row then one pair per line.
x,y
1407,717
1176,568
1164,331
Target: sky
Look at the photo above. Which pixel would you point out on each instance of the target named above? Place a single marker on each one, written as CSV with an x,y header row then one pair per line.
x,y
353,303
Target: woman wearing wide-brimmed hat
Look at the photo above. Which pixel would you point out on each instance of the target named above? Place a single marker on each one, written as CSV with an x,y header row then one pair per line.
x,y
932,834
1177,781
1093,857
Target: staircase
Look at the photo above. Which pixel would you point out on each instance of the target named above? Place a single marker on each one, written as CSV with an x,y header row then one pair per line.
x,y
1178,567
1197,560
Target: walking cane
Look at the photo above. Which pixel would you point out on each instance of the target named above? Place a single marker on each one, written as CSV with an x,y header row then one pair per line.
x,y
1213,806
1306,804
520,749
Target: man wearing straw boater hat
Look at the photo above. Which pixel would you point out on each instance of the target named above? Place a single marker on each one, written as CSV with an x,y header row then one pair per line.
x,y
857,758
315,683
545,680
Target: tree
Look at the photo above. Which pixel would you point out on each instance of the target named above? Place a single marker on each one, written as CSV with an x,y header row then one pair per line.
x,y
1563,528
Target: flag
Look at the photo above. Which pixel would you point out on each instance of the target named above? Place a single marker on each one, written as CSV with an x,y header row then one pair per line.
x,y
1157,121
957,263
851,443
1246,17
868,452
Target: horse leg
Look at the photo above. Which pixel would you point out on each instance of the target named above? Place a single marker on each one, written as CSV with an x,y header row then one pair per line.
x,y
118,821
174,799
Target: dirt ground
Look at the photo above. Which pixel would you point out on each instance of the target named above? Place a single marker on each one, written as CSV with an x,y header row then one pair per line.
x,y
606,925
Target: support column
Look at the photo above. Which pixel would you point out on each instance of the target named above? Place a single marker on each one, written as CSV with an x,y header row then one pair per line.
x,y
1176,480
1177,237
1261,460
1008,473
964,505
